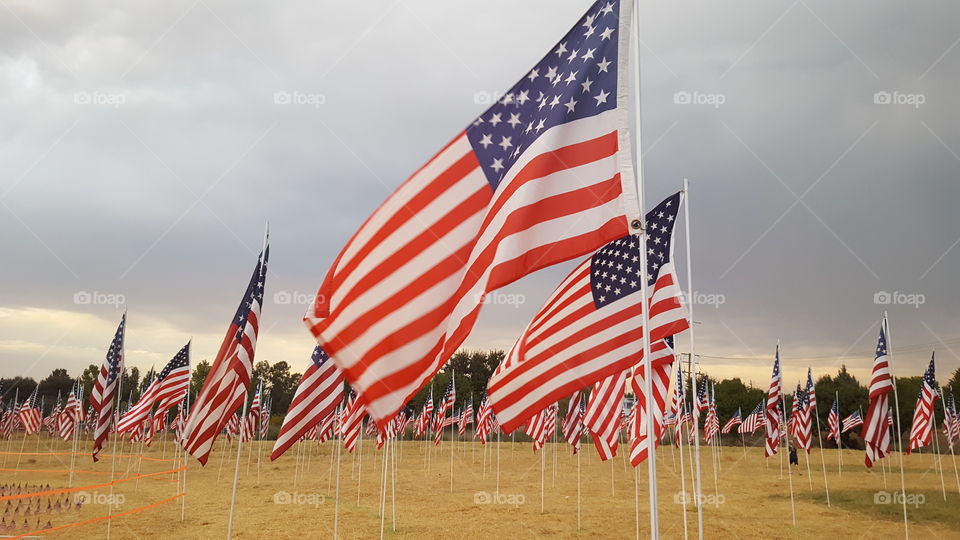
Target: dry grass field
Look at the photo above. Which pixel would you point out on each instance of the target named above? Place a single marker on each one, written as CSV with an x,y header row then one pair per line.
x,y
294,497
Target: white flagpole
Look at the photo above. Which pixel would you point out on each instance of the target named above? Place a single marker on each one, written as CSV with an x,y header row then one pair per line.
x,y
76,433
693,360
936,446
683,473
839,437
543,464
336,508
116,414
639,233
946,419
783,400
383,489
498,461
359,460
186,460
896,402
236,467
823,460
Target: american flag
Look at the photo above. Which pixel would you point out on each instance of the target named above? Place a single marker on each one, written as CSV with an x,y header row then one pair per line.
x,y
661,361
251,424
353,422
537,428
702,402
811,390
541,177
602,416
711,426
804,424
592,326
316,398
466,418
105,389
550,423
484,420
852,421
232,428
225,389
833,422
573,422
951,421
794,413
876,431
424,421
72,413
923,416
29,414
171,382
449,399
734,421
772,415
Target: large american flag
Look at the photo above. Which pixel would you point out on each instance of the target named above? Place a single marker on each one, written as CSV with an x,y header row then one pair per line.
x,y
592,326
161,386
172,386
772,414
29,414
923,416
833,422
876,431
852,421
316,398
543,176
225,388
105,389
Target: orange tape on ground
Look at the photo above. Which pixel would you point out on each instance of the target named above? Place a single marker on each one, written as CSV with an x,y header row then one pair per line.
x,y
84,488
81,454
66,471
101,518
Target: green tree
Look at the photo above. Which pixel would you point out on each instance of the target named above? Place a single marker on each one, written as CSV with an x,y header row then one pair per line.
x,y
200,372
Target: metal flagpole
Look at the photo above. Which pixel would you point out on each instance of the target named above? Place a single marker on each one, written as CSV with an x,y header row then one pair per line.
x,y
638,227
578,490
236,468
543,464
946,419
114,458
360,460
336,507
839,437
498,461
936,446
823,460
683,473
783,400
186,461
76,432
693,362
896,402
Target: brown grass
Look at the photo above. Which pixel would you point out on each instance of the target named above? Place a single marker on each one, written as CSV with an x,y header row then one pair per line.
x,y
755,501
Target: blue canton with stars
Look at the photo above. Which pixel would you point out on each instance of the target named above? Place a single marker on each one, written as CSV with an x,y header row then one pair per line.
x,y
615,269
882,343
181,360
929,378
319,357
577,79
115,353
253,294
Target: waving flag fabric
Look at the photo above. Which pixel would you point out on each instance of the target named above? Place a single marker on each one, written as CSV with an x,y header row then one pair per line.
x,y
316,398
103,397
159,387
852,421
225,388
662,359
804,425
876,430
173,383
833,422
734,421
29,414
484,420
921,431
602,416
772,415
951,421
573,422
592,326
755,420
543,176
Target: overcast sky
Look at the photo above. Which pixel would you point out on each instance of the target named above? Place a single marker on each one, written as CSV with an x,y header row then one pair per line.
x,y
144,145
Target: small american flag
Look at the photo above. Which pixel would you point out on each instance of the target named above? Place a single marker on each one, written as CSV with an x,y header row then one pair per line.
x,y
923,416
541,177
804,424
162,387
484,420
711,426
734,421
449,399
833,422
754,420
466,418
316,398
225,389
661,361
876,431
602,416
852,421
105,389
29,413
951,421
252,423
573,422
